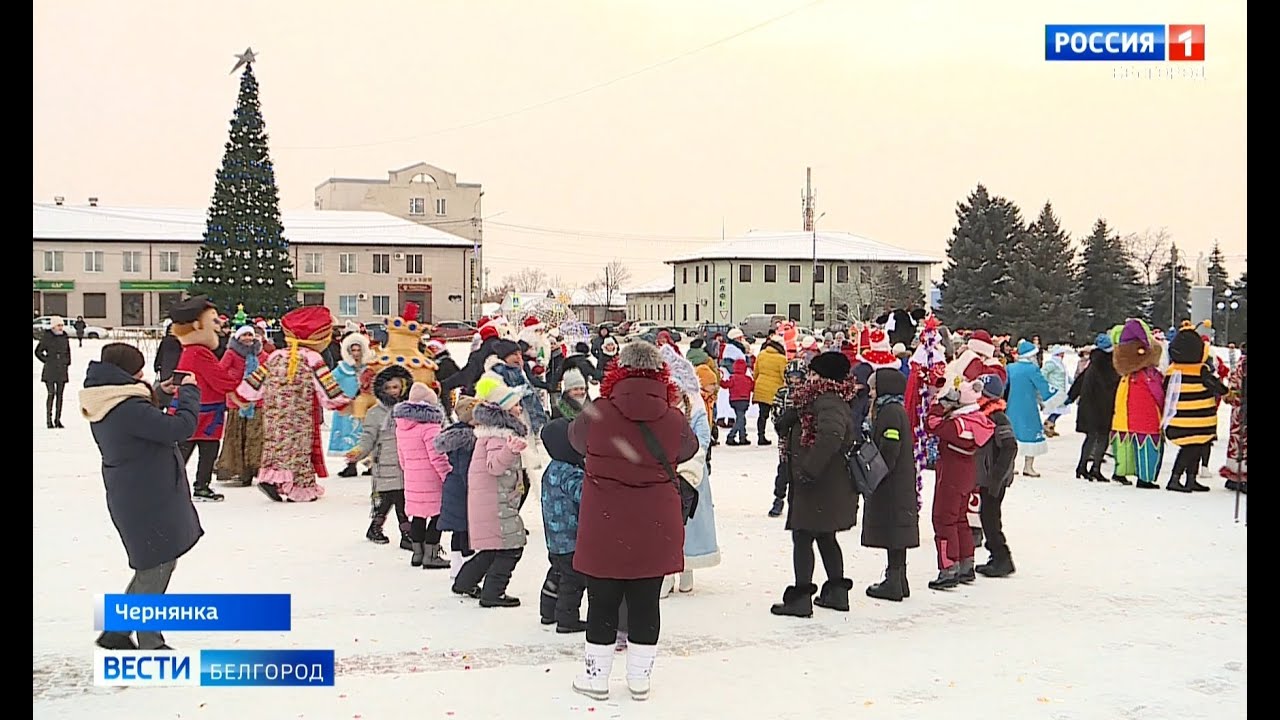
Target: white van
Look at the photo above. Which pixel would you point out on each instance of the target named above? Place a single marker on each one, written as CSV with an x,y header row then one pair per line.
x,y
758,325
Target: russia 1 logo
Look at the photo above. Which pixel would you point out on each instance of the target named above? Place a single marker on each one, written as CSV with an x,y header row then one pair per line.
x,y
1186,43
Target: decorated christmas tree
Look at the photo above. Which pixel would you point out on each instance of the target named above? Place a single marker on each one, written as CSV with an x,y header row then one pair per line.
x,y
245,256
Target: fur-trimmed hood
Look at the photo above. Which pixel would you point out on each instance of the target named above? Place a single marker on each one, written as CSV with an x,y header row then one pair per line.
x,y
419,412
492,421
380,382
351,340
458,436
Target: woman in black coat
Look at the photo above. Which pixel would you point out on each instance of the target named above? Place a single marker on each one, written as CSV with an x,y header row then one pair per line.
x,y
819,431
891,517
1095,392
142,469
54,350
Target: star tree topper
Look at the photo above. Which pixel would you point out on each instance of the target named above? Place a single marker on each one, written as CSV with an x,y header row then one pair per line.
x,y
246,58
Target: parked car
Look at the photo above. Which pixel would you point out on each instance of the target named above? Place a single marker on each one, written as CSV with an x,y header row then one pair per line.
x,y
651,335
377,332
453,331
708,330
758,325
641,327
42,324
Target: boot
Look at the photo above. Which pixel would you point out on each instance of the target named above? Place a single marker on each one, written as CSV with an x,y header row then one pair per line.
x,y
432,559
835,595
1175,486
1049,429
375,534
1000,565
571,626
1120,479
776,510
892,588
639,667
796,602
1192,485
204,494
668,584
415,560
349,471
547,602
686,582
1146,485
946,579
502,601
405,542
965,571
1095,475
1082,473
455,563
763,441
1029,468
594,681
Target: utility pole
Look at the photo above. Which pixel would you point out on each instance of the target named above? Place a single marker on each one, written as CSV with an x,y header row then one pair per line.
x,y
1173,286
811,227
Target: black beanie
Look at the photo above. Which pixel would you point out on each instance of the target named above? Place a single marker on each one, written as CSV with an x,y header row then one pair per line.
x,y
124,356
830,365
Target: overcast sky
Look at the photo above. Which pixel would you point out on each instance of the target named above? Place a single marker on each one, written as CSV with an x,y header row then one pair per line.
x,y
899,107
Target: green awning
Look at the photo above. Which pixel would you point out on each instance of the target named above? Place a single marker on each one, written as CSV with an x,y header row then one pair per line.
x,y
155,285
308,286
53,285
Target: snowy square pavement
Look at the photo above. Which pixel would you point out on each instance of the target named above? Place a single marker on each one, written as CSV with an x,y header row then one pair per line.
x,y
1127,604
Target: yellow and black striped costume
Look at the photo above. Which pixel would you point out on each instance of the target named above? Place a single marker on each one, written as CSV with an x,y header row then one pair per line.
x,y
1195,420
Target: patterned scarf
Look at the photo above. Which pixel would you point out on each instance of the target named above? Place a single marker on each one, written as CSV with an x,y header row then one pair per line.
x,y
802,400
927,352
990,405
250,355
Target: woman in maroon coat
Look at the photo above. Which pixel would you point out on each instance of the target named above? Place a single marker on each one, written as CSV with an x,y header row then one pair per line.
x,y
630,522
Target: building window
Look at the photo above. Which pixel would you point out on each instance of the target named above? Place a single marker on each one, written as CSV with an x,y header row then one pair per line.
x,y
744,273
168,261
770,273
381,305
706,273
93,261
913,274
793,312
347,263
312,263
819,273
413,264
684,313
697,274
440,207
313,298
382,263
864,275
132,261
842,274
697,313
684,275
348,305
819,313
793,273
771,308
53,261
95,304
417,206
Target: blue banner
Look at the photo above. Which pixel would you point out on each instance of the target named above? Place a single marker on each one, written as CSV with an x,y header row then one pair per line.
x,y
1116,43
193,613
266,668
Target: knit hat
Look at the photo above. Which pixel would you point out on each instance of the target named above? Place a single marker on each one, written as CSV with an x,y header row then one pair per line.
x,y
640,355
830,365
889,381
735,334
572,380
504,349
980,342
581,348
992,386
488,331
879,355
464,407
681,371
796,368
503,396
808,341
421,393
435,347
1026,348
350,326
900,350
124,356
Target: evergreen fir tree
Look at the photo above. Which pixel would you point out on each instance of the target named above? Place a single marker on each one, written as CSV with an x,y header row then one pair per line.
x,y
1046,270
1171,294
1220,281
895,291
978,286
245,256
1110,291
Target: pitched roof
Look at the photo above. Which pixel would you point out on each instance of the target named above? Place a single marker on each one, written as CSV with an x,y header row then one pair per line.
x,y
187,225
657,287
775,245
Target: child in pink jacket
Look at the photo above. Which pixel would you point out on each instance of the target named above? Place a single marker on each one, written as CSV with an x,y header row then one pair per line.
x,y
418,420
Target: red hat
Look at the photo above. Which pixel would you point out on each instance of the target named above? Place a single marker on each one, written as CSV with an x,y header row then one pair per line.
x,y
533,323
484,320
980,342
410,313
880,355
864,339
310,324
488,332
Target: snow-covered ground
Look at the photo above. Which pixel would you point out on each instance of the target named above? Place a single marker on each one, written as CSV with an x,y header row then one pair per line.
x,y
1126,604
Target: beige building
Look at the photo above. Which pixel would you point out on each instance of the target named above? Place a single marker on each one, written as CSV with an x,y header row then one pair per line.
x,y
654,302
125,266
423,194
774,272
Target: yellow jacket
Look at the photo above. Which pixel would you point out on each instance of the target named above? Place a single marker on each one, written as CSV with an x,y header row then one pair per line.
x,y
770,370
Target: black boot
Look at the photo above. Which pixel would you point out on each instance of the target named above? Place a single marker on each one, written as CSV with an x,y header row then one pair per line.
x,y
547,601
764,441
571,626
1174,485
796,602
835,595
419,551
1146,485
1120,479
405,542
375,534
892,588
946,579
502,601
1082,473
349,471
776,510
1095,475
1000,565
1191,484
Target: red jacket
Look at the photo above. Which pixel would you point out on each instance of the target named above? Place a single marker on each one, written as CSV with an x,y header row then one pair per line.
x,y
215,382
234,363
739,383
959,439
630,523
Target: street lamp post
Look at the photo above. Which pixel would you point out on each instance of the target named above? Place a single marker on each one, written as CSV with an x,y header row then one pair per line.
x,y
1227,306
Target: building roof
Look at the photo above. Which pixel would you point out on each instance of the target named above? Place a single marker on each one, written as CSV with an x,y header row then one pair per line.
x,y
187,225
595,297
660,286
775,245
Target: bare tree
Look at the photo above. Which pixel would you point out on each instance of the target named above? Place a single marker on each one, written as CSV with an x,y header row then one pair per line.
x,y
615,276
1148,250
529,279
497,293
859,298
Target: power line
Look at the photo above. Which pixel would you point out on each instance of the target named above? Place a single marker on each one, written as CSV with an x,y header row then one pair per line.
x,y
567,96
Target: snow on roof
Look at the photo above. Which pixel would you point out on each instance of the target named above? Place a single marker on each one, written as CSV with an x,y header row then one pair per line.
x,y
302,227
767,245
595,297
657,287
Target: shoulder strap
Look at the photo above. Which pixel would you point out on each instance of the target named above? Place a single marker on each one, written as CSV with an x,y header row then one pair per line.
x,y
651,440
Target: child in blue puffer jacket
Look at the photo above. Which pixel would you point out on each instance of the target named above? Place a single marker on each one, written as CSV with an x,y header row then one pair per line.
x,y
561,497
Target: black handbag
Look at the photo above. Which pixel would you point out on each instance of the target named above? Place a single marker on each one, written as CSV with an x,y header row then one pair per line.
x,y
688,493
867,469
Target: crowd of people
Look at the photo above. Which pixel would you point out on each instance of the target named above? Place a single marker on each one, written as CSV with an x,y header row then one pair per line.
x,y
618,439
